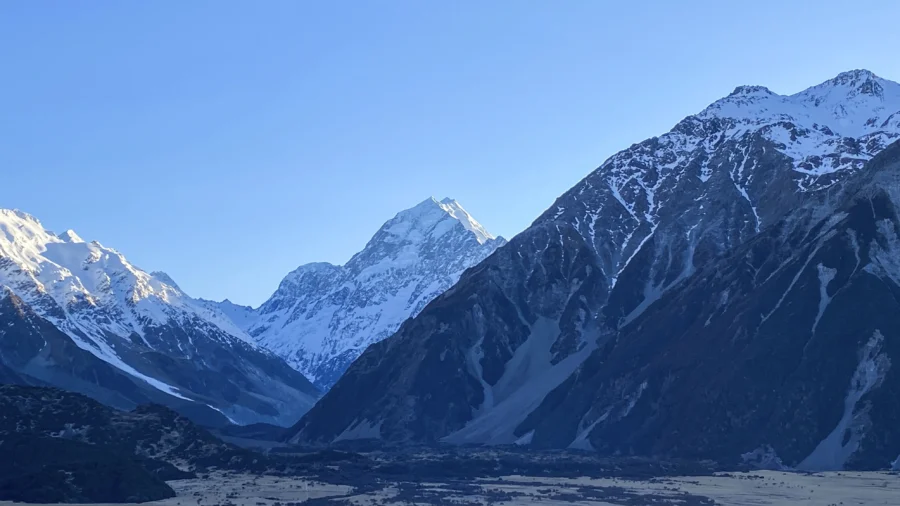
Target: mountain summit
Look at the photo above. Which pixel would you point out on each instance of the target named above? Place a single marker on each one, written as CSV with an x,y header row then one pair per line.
x,y
322,316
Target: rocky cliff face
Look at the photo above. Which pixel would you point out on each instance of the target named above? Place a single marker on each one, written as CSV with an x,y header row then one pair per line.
x,y
779,354
486,361
79,316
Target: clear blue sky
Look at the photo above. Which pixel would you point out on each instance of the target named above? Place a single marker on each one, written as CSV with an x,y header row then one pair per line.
x,y
228,142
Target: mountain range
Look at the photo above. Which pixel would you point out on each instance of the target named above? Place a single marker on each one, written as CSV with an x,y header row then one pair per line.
x,y
323,316
726,290
80,316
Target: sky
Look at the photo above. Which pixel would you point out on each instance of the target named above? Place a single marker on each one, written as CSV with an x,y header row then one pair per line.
x,y
227,142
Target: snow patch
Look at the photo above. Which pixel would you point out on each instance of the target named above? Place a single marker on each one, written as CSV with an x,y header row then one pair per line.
x,y
832,453
633,399
582,441
764,458
362,430
526,439
826,275
793,282
527,378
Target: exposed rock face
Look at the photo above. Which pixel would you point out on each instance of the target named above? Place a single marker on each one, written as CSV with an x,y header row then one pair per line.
x,y
564,307
79,316
785,346
323,316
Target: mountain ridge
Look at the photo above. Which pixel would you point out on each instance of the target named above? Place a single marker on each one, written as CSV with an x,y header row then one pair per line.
x,y
141,330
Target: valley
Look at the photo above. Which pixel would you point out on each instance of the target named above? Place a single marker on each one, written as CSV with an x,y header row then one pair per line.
x,y
759,488
671,277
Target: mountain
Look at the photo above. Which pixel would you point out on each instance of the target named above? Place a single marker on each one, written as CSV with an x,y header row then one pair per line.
x,y
492,359
781,353
79,316
323,316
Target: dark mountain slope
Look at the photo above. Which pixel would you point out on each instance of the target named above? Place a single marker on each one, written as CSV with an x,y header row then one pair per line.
x,y
786,346
34,352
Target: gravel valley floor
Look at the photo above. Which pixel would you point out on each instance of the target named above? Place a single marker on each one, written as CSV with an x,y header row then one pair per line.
x,y
738,489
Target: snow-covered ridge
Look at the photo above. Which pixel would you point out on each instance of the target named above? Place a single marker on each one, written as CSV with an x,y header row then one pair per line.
x,y
434,217
74,273
454,209
139,323
322,316
819,135
853,104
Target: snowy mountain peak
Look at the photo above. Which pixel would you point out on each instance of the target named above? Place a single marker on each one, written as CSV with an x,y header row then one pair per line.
x,y
751,90
431,217
67,277
858,90
16,214
322,316
833,103
70,236
312,267
862,81
834,126
453,208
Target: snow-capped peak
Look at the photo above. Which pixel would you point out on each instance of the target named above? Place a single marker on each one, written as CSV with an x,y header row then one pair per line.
x,y
16,214
853,104
833,126
81,276
70,236
432,217
456,210
23,238
322,316
859,81
751,90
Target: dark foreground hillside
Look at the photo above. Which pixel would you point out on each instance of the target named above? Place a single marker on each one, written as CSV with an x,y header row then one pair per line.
x,y
57,470
59,446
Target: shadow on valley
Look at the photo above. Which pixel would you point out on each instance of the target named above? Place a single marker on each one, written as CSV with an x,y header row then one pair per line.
x,y
64,447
